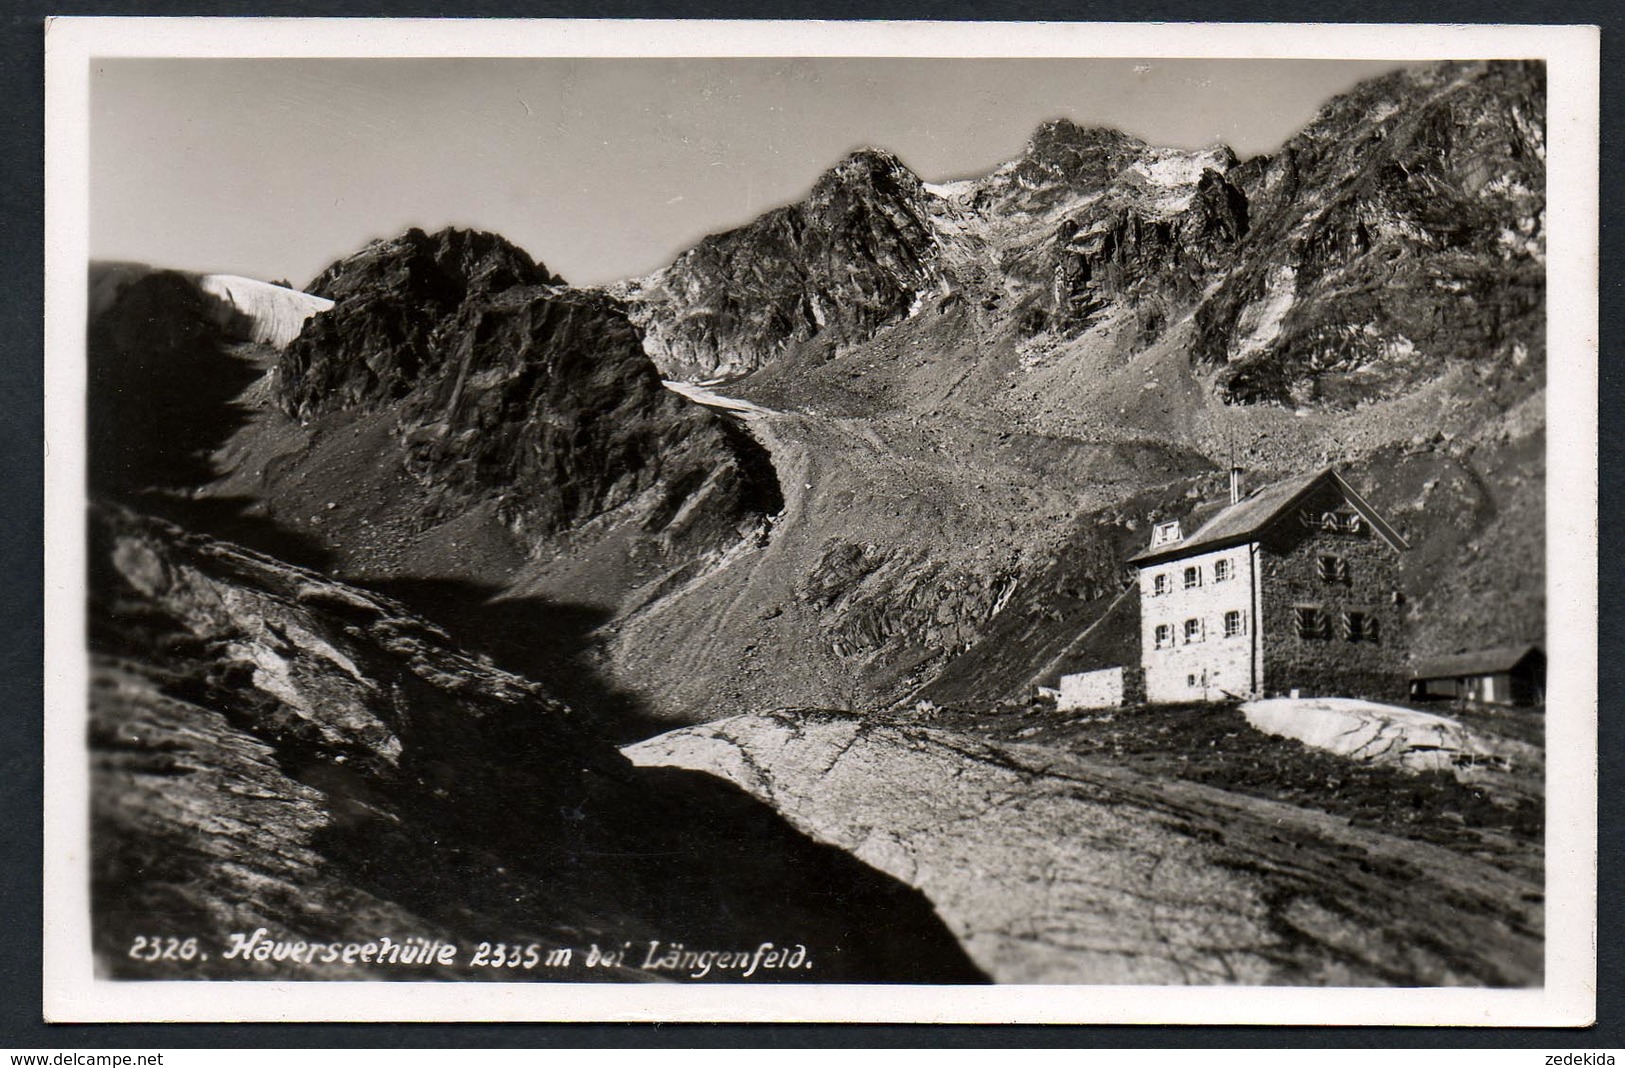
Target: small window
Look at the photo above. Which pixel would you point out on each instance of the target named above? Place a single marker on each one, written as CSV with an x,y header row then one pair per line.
x,y
1359,627
1164,635
1232,624
1159,585
1190,680
1333,570
1310,622
1222,571
1193,631
1193,577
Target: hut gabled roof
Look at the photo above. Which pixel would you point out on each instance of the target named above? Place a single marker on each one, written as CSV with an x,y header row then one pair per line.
x,y
1243,521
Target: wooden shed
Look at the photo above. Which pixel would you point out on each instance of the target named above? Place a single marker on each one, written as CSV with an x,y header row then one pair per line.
x,y
1511,675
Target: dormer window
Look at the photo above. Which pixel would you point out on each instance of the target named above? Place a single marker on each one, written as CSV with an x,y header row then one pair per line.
x,y
1343,520
1165,533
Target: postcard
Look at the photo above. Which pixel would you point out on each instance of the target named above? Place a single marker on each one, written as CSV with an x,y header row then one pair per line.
x,y
625,521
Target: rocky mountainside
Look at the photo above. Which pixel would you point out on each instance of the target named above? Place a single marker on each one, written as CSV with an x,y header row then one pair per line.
x,y
969,401
1081,342
1391,241
852,257
504,385
1429,181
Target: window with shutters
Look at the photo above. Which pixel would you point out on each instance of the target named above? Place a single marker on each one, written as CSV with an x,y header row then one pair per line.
x,y
1310,622
1193,577
1159,585
1232,624
1164,635
1359,627
1223,570
1193,631
1333,570
1343,520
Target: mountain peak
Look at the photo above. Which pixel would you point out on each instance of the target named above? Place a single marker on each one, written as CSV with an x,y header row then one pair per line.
x,y
871,168
449,258
1062,135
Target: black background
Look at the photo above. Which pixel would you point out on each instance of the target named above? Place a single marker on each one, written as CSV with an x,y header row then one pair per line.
x,y
21,541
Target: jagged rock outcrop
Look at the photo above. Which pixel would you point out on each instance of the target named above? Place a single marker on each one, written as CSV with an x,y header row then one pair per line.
x,y
261,738
885,607
506,386
855,255
1136,256
395,302
1060,160
1053,869
1401,231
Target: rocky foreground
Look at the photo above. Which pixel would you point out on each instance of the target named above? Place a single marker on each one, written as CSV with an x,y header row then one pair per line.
x,y
271,749
275,750
1051,868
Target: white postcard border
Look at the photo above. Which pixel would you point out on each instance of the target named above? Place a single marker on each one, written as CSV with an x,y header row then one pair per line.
x,y
72,993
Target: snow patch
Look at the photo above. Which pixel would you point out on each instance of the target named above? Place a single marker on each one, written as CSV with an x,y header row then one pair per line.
x,y
274,314
1175,170
1171,175
246,308
1259,324
1367,731
697,393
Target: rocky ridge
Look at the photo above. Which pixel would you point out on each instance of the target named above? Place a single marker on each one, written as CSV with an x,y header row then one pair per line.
x,y
504,385
857,253
1430,180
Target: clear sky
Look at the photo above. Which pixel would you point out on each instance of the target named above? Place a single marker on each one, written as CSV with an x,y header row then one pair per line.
x,y
600,168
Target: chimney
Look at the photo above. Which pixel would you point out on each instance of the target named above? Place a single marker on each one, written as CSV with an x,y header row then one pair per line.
x,y
1235,484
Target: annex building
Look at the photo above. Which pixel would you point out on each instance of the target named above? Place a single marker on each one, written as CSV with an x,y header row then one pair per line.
x,y
1291,587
